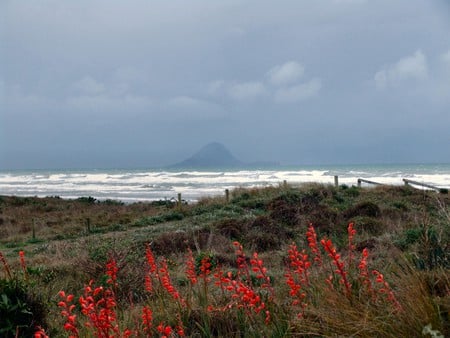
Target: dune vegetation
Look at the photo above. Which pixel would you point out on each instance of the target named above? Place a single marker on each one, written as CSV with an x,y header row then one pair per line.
x,y
308,261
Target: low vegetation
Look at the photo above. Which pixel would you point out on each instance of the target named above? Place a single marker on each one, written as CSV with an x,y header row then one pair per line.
x,y
280,261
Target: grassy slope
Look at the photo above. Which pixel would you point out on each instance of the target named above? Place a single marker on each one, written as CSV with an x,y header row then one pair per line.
x,y
401,226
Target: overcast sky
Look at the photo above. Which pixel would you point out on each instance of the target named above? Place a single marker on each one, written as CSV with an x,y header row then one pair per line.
x,y
141,83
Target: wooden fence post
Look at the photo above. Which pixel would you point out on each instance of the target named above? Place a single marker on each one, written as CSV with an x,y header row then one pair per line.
x,y
179,200
227,195
336,181
33,229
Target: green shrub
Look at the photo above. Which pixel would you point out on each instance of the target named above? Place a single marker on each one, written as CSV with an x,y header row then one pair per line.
x,y
371,225
152,220
368,209
409,237
112,202
231,228
20,311
87,200
428,247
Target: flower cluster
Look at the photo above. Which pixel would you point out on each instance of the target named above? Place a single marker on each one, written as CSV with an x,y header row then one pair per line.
x,y
167,284
297,276
311,237
147,319
23,264
40,333
248,291
70,325
364,271
190,268
98,305
261,272
386,290
351,246
243,295
336,259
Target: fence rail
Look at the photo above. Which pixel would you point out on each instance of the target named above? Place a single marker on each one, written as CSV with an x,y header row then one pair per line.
x,y
411,182
362,180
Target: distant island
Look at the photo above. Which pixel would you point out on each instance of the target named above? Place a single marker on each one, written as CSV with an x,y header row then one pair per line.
x,y
216,155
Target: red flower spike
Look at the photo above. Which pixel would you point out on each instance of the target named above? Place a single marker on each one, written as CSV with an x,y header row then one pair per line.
x,y
190,268
331,250
40,333
167,283
311,237
23,264
111,271
151,260
386,290
351,247
364,271
147,319
261,273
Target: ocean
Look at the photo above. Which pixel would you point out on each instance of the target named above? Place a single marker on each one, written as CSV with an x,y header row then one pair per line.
x,y
148,185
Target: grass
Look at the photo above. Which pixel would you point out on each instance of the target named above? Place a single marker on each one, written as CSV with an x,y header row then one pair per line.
x,y
405,231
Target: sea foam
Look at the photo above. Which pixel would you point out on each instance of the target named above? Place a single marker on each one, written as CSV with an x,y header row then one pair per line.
x,y
142,185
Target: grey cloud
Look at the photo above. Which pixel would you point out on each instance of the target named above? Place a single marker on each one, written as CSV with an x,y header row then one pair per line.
x,y
247,90
107,106
286,73
97,78
282,85
299,92
185,107
412,67
445,57
89,86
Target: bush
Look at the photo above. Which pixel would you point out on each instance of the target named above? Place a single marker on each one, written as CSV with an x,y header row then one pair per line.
x,y
325,219
231,228
87,200
20,311
371,225
368,209
285,214
152,220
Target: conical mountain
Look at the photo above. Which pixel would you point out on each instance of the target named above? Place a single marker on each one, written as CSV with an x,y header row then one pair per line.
x,y
213,155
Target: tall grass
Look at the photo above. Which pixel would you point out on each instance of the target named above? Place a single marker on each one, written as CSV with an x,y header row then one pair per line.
x,y
252,266
316,292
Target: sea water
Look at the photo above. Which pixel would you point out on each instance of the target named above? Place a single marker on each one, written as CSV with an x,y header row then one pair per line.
x,y
147,185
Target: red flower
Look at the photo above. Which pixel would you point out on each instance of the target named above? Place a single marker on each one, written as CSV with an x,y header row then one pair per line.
x,y
386,289
147,319
311,237
111,271
190,268
336,258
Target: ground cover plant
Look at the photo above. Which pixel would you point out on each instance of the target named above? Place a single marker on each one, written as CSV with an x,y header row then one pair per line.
x,y
281,261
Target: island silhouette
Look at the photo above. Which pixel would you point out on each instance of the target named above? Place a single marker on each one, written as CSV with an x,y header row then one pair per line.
x,y
215,155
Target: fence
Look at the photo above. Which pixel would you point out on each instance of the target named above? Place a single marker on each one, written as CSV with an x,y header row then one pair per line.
x,y
336,183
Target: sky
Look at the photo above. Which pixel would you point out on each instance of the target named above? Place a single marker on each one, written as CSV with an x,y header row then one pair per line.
x,y
145,83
